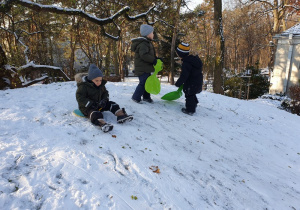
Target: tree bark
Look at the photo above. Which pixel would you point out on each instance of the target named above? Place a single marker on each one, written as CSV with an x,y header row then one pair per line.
x,y
3,59
276,18
174,37
171,76
7,5
219,58
107,58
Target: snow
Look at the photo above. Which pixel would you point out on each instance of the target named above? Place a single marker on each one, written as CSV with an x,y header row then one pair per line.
x,y
232,154
31,64
293,30
192,4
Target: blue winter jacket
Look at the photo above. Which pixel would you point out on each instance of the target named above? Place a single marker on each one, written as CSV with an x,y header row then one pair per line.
x,y
191,75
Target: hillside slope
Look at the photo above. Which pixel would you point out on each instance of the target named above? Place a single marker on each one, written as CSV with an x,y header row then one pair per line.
x,y
231,154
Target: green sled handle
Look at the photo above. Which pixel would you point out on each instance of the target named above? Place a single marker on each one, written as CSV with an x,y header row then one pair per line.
x,y
174,95
152,84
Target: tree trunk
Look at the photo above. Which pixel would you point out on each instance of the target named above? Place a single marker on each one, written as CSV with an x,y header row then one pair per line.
x,y
219,58
171,75
174,37
107,59
120,57
3,59
276,18
73,43
116,60
12,79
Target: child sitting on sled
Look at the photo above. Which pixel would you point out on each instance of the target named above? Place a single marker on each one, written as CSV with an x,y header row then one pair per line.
x,y
93,98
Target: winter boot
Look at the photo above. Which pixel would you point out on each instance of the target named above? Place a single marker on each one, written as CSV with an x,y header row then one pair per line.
x,y
105,127
149,100
187,112
136,101
122,116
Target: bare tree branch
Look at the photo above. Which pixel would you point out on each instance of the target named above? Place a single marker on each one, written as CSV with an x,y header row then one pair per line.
x,y
31,67
6,6
37,80
37,71
19,39
262,1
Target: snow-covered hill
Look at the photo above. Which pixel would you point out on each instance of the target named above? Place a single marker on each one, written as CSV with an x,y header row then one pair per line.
x,y
232,154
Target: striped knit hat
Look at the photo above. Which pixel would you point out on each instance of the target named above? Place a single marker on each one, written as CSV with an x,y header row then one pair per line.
x,y
183,49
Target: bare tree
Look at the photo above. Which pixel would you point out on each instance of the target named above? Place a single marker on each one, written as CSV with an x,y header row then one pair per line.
x,y
6,6
279,9
219,39
174,37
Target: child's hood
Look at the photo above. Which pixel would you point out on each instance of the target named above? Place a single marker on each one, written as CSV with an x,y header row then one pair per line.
x,y
81,77
193,60
137,41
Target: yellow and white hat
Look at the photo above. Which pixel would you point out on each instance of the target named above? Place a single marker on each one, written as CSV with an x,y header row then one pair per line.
x,y
183,49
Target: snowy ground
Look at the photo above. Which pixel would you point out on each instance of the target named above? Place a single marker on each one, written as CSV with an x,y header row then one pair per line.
x,y
232,154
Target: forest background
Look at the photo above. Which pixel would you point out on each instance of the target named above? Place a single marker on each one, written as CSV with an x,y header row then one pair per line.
x,y
39,41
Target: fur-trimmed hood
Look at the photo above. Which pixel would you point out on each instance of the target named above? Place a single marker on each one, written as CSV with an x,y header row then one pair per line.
x,y
81,77
137,41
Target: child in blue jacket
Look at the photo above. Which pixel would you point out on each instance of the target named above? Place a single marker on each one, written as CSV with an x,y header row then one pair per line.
x,y
191,77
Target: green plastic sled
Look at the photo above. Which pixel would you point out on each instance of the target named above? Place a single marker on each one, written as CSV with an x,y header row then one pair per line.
x,y
174,95
78,113
152,84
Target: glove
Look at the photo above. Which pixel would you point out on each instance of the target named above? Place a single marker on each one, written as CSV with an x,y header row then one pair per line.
x,y
177,84
102,103
161,60
155,61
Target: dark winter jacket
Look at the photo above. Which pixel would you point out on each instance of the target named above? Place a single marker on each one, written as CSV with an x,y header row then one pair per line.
x,y
191,75
144,55
88,95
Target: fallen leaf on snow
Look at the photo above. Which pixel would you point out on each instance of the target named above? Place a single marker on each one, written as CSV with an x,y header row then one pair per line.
x,y
134,197
155,169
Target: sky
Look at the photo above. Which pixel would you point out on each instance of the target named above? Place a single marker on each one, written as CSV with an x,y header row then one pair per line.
x,y
232,154
193,3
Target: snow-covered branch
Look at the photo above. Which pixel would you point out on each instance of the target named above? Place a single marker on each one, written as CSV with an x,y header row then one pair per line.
x,y
37,80
30,67
293,7
19,39
262,1
36,73
6,6
142,15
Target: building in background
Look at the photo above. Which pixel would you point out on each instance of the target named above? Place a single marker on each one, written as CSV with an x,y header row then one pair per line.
x,y
287,61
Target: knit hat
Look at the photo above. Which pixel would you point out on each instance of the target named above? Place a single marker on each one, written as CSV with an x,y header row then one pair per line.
x,y
183,49
94,72
145,30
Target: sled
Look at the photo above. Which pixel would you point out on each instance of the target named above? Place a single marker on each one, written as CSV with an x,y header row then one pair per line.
x,y
174,95
152,84
78,113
